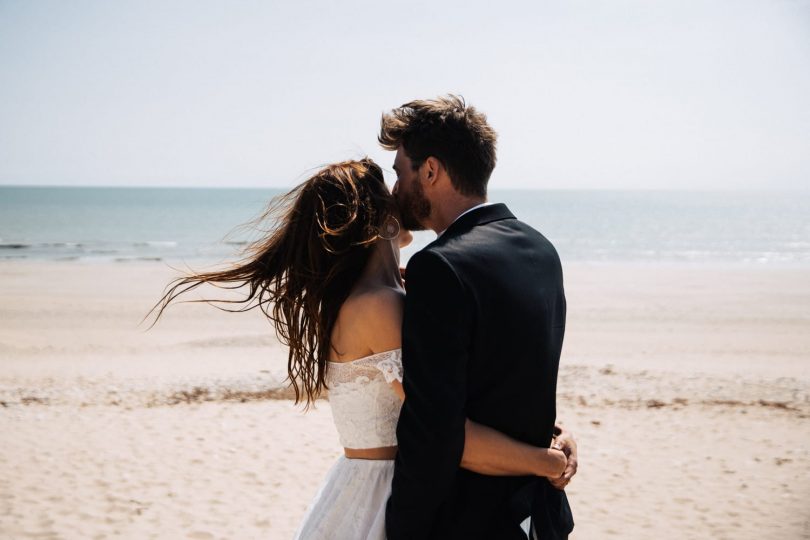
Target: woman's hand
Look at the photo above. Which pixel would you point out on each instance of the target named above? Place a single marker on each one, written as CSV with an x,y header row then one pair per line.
x,y
557,460
564,442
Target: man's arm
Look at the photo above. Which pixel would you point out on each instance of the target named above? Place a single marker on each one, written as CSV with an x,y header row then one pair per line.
x,y
430,433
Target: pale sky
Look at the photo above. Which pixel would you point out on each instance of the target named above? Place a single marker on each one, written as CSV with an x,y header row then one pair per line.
x,y
607,94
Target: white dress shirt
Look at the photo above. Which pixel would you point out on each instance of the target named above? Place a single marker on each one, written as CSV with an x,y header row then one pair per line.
x,y
467,211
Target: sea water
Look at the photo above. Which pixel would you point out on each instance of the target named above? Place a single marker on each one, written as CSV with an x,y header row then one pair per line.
x,y
179,225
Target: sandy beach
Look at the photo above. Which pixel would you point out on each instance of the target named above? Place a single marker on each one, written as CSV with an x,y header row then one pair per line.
x,y
687,388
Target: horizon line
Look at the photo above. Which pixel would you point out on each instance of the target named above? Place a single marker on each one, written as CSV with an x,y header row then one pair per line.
x,y
491,190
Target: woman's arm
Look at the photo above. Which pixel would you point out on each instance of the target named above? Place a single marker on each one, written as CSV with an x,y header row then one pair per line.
x,y
488,451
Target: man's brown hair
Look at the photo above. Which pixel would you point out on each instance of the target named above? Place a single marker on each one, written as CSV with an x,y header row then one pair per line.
x,y
449,130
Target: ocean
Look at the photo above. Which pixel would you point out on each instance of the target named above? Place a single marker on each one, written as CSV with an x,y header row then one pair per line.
x,y
178,225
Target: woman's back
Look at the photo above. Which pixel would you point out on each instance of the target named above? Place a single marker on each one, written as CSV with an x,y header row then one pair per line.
x,y
369,322
366,359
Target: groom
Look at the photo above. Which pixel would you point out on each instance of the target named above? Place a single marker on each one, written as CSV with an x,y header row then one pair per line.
x,y
482,334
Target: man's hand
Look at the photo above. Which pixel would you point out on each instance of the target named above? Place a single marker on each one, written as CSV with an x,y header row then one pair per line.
x,y
564,440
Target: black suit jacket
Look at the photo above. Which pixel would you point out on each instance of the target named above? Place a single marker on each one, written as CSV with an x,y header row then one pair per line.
x,y
482,334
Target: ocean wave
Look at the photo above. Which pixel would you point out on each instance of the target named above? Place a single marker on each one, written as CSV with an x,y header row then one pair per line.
x,y
61,245
797,245
41,245
156,243
132,259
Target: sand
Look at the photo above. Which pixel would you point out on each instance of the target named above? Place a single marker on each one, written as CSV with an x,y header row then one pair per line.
x,y
687,388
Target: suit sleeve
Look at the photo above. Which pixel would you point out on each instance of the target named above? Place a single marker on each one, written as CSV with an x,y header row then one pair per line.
x,y
430,433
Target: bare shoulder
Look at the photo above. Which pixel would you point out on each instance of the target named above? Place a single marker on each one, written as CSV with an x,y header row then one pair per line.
x,y
379,306
374,316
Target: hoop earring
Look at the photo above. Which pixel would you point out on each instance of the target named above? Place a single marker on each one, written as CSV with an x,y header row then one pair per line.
x,y
390,229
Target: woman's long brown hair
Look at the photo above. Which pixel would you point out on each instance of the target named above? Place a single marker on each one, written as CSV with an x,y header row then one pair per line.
x,y
301,274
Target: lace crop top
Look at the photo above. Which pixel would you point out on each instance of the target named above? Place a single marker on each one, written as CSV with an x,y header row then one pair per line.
x,y
364,406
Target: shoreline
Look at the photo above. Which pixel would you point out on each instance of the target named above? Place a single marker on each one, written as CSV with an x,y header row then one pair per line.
x,y
710,264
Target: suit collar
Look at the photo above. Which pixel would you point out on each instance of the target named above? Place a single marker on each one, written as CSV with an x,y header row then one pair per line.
x,y
478,216
476,207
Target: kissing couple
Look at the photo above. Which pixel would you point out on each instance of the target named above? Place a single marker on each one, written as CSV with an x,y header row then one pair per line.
x,y
444,396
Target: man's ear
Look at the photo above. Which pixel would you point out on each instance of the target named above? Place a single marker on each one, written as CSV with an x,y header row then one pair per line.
x,y
431,167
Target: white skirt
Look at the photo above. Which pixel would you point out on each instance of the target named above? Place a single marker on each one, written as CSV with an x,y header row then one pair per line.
x,y
350,504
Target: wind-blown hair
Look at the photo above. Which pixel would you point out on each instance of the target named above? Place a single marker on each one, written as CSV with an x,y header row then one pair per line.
x,y
301,274
451,131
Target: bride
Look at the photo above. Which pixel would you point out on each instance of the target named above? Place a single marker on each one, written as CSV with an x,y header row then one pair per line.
x,y
329,279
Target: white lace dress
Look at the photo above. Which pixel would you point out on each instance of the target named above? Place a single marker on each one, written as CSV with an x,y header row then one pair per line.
x,y
350,504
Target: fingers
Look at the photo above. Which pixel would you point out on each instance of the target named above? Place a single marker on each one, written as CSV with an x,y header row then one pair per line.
x,y
570,470
564,479
558,483
564,445
564,441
